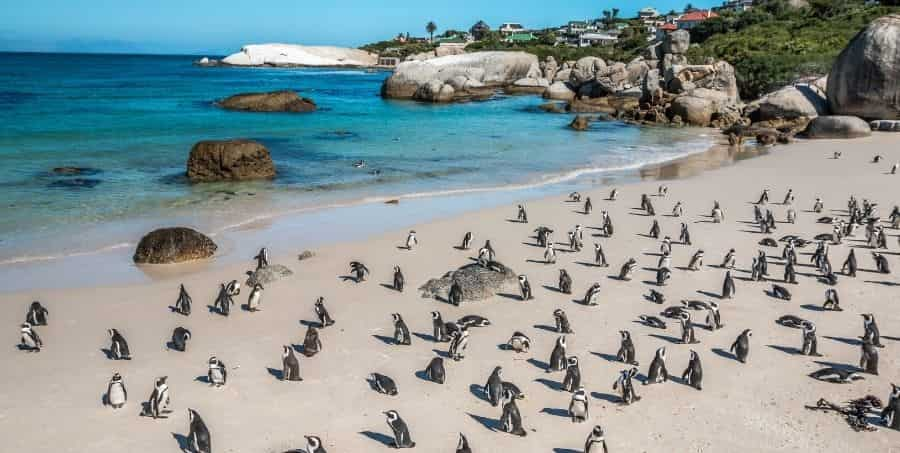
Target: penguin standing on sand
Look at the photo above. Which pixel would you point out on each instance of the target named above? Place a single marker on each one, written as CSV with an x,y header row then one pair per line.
x,y
685,236
314,445
626,349
678,210
871,329
790,274
401,332
881,263
525,288
763,262
325,319
818,206
572,381
687,329
402,438
810,342
558,355
198,437
730,260
849,267
579,407
590,297
607,227
255,298
665,247
217,373
312,344
562,322
696,261
118,348
832,300
713,317
519,342
764,197
549,254
663,274
599,256
411,240
459,341
158,403
664,261
625,385
657,372
891,413
462,446
511,419
439,328
728,288
522,216
868,360
494,387
654,230
693,374
183,304
596,441
262,258
30,340
588,206
37,314
434,372
225,299
290,366
116,394
455,296
467,241
399,280
718,215
741,346
628,269
788,197
359,271
565,282
180,337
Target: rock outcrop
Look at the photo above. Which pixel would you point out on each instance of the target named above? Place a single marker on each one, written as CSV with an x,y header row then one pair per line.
x,y
580,123
275,101
288,55
865,78
476,282
837,127
229,160
885,125
468,75
790,103
268,274
173,245
559,91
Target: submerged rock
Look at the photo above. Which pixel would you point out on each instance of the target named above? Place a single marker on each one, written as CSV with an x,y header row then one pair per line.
x,y
229,160
580,123
74,171
268,274
477,282
275,101
75,183
173,245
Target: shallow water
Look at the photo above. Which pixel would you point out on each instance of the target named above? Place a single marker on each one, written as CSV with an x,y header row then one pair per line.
x,y
131,121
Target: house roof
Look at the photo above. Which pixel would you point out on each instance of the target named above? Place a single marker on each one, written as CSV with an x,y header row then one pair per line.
x,y
697,16
668,27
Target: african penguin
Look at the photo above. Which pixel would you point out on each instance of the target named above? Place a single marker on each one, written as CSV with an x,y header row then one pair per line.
x,y
657,372
116,394
596,441
562,321
312,344
314,445
693,374
255,298
565,282
30,340
572,381
439,329
579,406
198,436
158,403
217,375
399,280
183,303
626,349
625,386
180,337
325,319
118,348
558,356
525,288
434,372
37,314
741,346
383,384
519,342
402,438
401,332
290,370
810,342
511,419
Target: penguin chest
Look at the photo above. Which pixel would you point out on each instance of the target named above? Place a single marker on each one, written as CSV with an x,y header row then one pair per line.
x,y
217,376
116,395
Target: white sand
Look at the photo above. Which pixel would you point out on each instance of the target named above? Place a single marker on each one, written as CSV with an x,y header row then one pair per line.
x,y
51,401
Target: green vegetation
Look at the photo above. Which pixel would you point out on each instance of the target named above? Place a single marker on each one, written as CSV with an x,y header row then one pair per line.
x,y
396,48
631,43
774,44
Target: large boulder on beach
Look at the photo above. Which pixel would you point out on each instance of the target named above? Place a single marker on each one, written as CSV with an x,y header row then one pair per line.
x,y
229,160
276,101
559,91
693,110
586,70
677,42
268,274
885,125
792,102
173,245
476,282
838,127
865,78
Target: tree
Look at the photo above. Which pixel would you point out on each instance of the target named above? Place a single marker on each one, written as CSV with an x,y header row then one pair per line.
x,y
607,17
689,7
431,28
615,13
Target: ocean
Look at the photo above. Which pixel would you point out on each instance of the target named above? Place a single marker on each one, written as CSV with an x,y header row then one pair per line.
x,y
130,122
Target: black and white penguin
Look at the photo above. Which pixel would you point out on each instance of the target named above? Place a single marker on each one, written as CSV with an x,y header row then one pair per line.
x,y
312,344
572,381
30,340
628,269
588,206
325,319
522,216
37,314
255,298
116,394
579,407
678,209
439,329
290,366
118,348
693,374
596,441
562,321
590,297
818,206
519,342
459,341
665,247
359,271
657,372
511,419
654,230
158,403
741,346
656,296
183,303
565,282
399,280
434,372
558,355
764,197
780,292
599,256
663,274
525,288
217,375
402,438
849,267
871,329
868,360
714,317
225,299
836,375
810,342
262,258
652,321
792,321
180,337
401,332
881,263
198,436
466,241
473,321
696,261
730,259
411,240
687,329
832,300
613,194
790,274
314,445
625,385
549,254
462,445
455,295
685,236
788,197
383,384
493,389
728,288
891,413
626,349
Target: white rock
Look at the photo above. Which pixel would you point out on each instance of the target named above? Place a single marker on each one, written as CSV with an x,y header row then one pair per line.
x,y
297,55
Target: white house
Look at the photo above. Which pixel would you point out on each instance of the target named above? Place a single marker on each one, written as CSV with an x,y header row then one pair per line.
x,y
509,28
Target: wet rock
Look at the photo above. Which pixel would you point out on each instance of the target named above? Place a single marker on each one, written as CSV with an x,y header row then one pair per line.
x,y
580,123
276,101
173,245
229,160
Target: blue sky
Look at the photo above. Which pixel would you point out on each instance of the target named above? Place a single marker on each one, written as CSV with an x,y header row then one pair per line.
x,y
222,26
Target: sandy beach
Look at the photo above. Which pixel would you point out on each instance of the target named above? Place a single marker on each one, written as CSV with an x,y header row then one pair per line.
x,y
52,400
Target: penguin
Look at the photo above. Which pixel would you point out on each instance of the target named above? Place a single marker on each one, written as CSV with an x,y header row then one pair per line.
x,y
473,321
359,271
255,297
439,329
218,373
768,242
664,261
455,295
565,282
558,355
607,227
312,345
37,315
459,341
891,413
665,248
596,441
693,374
763,262
791,215
180,337
810,342
871,329
575,197
399,280
654,230
116,394
728,288
579,407
832,300
696,261
718,215
494,386
741,346
763,197
662,275
158,403
652,321
685,236
780,292
401,332
411,240
588,206
695,304
434,372
519,342
687,329
626,349
868,360
849,267
549,254
522,216
590,297
325,319
575,244
383,384
754,270
657,372
572,381
625,386
402,438
491,254
599,256
613,194
713,317
818,206
678,210
314,445
462,446
562,322
183,303
788,197
791,321
543,236
262,258
674,312
525,288
662,191
836,375
290,365
790,275
198,436
30,340
730,260
224,300
511,419
118,348
881,263
656,297
628,269
467,241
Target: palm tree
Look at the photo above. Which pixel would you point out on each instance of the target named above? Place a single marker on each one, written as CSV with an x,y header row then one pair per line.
x,y
431,28
615,13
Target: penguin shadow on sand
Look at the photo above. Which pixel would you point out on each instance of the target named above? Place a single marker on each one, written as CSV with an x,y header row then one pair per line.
x,y
555,411
709,294
785,349
668,338
388,441
812,307
315,324
565,450
478,392
424,337
202,378
184,443
385,339
389,286
511,296
544,366
885,283
276,373
725,354
545,327
848,341
608,397
605,356
489,423
552,289
441,354
839,366
551,384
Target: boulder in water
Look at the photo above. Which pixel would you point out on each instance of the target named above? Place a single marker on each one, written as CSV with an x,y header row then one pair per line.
x,y
275,101
173,245
580,123
229,160
476,282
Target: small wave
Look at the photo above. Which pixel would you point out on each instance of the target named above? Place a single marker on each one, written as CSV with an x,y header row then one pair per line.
x,y
31,259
